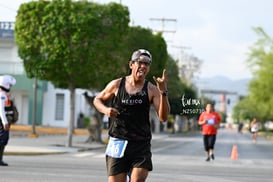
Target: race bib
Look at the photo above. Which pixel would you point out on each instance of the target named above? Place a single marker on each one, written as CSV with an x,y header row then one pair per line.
x,y
210,121
116,147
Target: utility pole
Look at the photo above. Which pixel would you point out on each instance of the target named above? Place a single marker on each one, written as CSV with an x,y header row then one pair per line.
x,y
163,21
181,50
34,110
163,24
181,61
181,47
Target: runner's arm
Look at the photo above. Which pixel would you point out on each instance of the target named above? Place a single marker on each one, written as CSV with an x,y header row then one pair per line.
x,y
3,113
106,94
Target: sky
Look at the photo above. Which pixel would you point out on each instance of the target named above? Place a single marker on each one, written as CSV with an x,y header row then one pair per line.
x,y
218,32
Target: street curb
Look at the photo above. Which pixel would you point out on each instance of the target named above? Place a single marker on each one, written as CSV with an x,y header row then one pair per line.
x,y
25,150
13,152
32,153
47,130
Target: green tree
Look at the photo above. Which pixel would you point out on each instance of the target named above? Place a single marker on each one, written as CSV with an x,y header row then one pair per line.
x,y
71,43
244,110
136,38
260,88
175,86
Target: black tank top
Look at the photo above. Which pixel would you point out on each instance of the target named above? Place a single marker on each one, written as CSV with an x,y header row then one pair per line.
x,y
133,121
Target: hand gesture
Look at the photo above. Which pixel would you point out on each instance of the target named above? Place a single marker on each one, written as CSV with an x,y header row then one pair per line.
x,y
161,83
112,112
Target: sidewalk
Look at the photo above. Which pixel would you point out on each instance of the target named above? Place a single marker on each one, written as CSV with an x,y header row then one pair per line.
x,y
52,141
48,141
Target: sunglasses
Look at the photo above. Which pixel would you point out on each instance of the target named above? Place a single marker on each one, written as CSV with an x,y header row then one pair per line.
x,y
140,62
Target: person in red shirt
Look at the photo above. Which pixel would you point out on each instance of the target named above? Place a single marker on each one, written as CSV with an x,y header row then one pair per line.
x,y
210,120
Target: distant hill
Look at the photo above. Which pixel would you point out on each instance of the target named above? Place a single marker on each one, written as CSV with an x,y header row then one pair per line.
x,y
223,83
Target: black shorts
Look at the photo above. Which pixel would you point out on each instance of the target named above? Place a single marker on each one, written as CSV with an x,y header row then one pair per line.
x,y
137,155
209,142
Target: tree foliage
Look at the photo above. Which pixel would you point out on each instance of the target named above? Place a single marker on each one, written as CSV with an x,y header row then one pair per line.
x,y
260,99
175,86
70,42
244,110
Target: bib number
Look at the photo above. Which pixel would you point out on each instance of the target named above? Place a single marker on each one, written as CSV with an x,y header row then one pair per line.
x,y
210,121
116,147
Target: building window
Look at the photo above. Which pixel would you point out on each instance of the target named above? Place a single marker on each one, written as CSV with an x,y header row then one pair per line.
x,y
59,112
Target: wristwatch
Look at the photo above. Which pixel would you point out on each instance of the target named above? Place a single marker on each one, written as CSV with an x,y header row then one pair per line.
x,y
164,93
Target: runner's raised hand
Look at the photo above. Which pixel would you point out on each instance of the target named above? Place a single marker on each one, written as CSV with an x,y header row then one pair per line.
x,y
161,82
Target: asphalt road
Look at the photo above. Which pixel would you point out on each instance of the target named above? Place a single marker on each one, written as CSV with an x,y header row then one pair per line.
x,y
176,158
